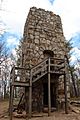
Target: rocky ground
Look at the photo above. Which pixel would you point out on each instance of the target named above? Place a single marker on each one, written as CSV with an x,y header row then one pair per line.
x,y
42,116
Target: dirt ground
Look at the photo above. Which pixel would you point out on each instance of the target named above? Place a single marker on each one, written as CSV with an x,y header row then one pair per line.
x,y
42,116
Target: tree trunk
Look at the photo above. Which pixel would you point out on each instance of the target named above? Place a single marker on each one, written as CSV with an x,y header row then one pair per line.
x,y
74,84
72,77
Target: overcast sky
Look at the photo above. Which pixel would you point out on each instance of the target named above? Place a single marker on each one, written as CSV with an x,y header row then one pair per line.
x,y
13,15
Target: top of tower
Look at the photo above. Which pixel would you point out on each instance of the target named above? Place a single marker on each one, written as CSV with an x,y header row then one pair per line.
x,y
40,10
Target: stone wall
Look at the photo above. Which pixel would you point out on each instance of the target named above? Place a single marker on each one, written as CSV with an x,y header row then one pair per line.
x,y
42,31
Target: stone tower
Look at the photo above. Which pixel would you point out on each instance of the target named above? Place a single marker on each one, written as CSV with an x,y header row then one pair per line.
x,y
43,36
45,79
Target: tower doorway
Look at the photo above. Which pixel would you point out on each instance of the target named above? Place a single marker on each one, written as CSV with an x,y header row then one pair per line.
x,y
48,53
45,95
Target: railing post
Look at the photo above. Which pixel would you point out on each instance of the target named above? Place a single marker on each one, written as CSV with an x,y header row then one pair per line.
x,y
12,93
30,96
49,91
11,102
25,99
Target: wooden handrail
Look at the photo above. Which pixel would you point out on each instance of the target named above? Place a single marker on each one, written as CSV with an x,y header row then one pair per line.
x,y
39,70
42,65
55,58
17,68
39,63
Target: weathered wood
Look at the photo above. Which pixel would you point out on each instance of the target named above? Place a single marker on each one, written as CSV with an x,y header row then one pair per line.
x,y
34,72
56,65
26,99
55,58
74,109
12,94
30,96
20,84
57,72
13,75
49,91
20,101
11,102
40,69
21,68
39,77
39,64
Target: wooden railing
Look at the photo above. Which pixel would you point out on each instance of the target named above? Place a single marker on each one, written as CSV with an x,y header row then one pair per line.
x,y
39,70
22,75
56,67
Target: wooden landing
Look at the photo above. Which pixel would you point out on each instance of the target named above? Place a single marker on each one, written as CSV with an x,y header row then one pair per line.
x,y
20,84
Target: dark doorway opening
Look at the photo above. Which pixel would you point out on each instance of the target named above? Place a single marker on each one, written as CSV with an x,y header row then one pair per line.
x,y
53,95
48,53
45,96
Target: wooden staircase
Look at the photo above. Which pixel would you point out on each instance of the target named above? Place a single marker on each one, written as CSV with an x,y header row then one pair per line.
x,y
22,77
36,72
42,68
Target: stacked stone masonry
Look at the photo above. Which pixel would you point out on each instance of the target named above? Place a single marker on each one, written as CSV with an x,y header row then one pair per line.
x,y
42,31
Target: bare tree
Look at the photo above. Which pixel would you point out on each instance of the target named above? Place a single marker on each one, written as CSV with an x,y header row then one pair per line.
x,y
4,68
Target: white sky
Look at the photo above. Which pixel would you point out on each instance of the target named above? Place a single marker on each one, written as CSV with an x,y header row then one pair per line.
x,y
14,14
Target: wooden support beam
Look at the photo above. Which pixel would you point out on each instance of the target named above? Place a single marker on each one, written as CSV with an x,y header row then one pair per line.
x,y
11,102
30,96
20,84
65,92
49,91
21,68
12,94
20,101
26,99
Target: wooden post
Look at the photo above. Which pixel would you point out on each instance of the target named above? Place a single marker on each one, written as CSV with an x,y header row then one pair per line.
x,y
30,96
12,94
11,102
49,91
26,99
